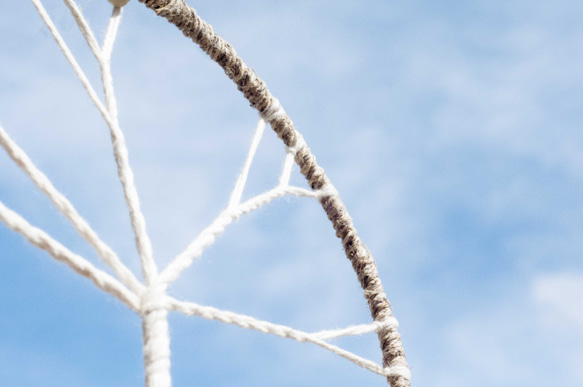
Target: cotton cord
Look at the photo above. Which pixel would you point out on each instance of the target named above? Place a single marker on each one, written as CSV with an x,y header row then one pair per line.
x,y
319,338
84,28
110,116
121,154
66,208
42,240
287,170
357,329
156,336
150,300
70,58
185,18
208,236
242,180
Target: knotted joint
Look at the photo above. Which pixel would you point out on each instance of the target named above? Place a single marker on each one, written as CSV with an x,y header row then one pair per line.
x,y
393,353
399,375
154,312
272,111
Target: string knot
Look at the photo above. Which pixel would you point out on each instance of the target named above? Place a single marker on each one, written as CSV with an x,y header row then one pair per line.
x,y
154,298
398,371
272,111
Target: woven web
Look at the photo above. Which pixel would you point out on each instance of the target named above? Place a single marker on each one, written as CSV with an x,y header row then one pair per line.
x,y
149,298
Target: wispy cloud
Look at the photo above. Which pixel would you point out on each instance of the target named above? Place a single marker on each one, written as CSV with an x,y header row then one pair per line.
x,y
452,134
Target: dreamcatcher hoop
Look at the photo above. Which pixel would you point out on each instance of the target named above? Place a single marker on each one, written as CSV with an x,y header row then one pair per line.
x,y
150,300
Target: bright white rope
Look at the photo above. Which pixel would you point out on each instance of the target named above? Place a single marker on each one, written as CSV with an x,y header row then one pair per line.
x,y
84,28
120,150
156,336
235,209
111,34
217,227
247,322
212,313
59,252
67,209
242,179
70,58
105,63
118,140
356,330
287,170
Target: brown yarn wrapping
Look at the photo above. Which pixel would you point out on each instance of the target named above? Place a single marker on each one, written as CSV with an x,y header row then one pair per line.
x,y
179,13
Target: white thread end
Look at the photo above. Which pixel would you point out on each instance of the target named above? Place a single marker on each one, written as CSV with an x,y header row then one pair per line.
x,y
273,111
389,322
327,190
401,371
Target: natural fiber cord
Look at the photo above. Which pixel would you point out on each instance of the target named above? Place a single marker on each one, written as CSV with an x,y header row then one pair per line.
x,y
179,13
150,299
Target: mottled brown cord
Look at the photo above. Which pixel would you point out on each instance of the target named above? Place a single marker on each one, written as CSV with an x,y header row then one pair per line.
x,y
179,13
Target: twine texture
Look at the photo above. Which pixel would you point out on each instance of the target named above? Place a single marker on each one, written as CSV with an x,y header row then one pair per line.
x,y
149,299
179,13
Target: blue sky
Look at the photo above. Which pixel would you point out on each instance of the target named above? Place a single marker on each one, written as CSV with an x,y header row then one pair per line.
x,y
452,131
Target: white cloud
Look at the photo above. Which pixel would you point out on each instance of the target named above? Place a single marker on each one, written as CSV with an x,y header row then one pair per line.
x,y
559,302
533,335
560,299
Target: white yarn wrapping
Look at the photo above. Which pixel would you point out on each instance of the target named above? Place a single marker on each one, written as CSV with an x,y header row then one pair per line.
x,y
156,336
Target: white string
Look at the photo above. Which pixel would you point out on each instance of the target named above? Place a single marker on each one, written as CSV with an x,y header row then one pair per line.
x,y
356,330
42,240
212,313
84,28
120,150
118,140
287,170
242,179
247,322
217,227
273,111
156,335
105,62
235,209
67,209
70,58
